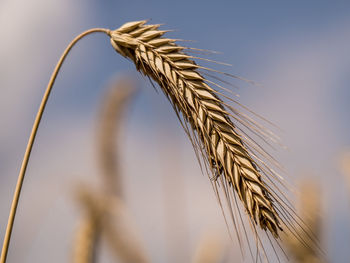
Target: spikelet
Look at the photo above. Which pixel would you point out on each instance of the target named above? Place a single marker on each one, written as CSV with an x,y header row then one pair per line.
x,y
217,138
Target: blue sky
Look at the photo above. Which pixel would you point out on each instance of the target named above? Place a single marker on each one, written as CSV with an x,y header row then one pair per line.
x,y
298,50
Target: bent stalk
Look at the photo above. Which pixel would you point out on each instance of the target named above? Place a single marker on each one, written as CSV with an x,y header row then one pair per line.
x,y
33,133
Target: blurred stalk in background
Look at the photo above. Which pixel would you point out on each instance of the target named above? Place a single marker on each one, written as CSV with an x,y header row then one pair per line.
x,y
303,246
105,214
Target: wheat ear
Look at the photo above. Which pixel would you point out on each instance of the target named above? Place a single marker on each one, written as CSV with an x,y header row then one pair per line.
x,y
165,62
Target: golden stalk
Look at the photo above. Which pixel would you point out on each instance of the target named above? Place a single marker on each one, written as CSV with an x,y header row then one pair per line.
x,y
31,140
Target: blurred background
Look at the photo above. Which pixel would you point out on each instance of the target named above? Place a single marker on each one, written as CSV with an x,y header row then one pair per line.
x,y
299,51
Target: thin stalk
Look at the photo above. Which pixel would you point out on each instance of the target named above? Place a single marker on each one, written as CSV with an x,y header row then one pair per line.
x,y
32,138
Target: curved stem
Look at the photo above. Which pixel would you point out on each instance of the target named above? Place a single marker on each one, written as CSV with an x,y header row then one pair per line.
x,y
32,138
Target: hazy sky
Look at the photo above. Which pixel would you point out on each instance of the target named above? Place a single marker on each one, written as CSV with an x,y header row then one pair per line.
x,y
299,51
